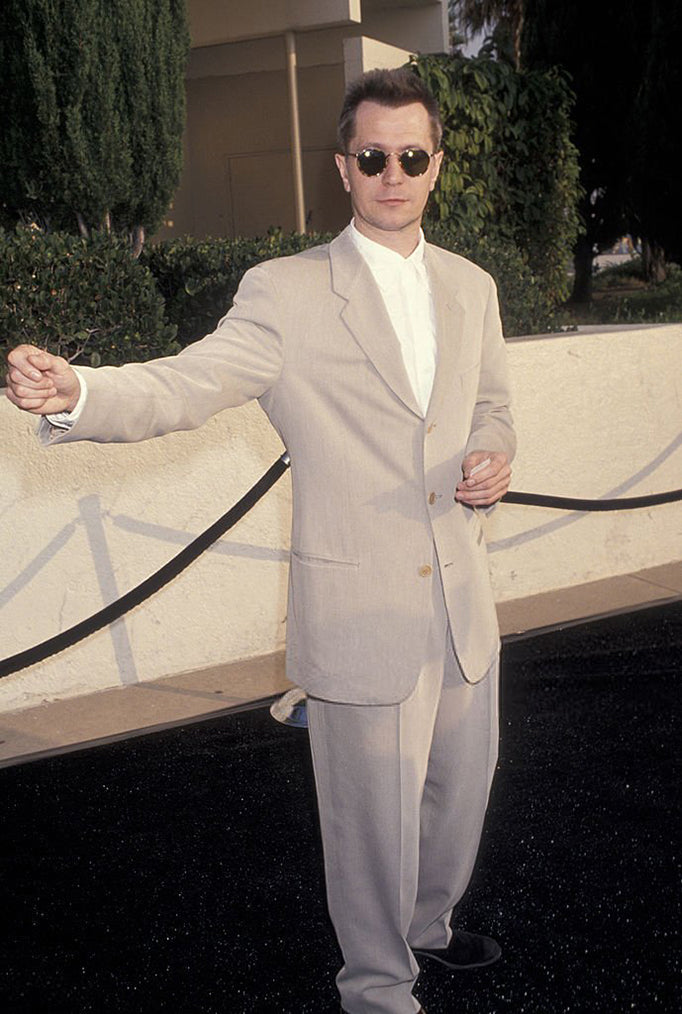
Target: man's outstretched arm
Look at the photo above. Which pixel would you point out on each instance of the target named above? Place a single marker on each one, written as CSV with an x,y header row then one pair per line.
x,y
239,361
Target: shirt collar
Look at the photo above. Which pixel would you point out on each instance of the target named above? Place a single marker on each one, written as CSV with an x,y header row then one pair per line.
x,y
381,258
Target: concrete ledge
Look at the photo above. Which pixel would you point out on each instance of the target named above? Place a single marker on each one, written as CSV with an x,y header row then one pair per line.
x,y
624,593
58,726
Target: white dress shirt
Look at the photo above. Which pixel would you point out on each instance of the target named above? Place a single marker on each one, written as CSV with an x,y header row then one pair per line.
x,y
404,286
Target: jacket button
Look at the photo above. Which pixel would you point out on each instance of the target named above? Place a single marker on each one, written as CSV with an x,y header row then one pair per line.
x,y
426,570
432,498
431,427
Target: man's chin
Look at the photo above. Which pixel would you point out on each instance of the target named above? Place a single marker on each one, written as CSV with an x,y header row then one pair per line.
x,y
395,218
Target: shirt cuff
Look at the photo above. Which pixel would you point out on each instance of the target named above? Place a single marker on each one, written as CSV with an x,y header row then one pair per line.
x,y
65,420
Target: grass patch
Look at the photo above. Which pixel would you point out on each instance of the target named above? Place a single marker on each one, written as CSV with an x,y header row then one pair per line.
x,y
621,295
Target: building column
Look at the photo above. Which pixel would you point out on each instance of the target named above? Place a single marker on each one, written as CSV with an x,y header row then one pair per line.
x,y
296,157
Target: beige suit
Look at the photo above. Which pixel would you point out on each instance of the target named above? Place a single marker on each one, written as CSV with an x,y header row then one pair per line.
x,y
373,480
389,600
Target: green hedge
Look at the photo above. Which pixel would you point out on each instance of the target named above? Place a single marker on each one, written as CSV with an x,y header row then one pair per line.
x,y
87,300
199,277
91,302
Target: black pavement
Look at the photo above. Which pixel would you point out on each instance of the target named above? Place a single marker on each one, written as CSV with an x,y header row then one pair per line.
x,y
181,871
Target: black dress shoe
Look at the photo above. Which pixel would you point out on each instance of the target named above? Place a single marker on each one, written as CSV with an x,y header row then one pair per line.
x,y
465,950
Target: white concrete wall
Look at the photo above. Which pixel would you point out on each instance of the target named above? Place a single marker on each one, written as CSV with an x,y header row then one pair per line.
x,y
598,415
80,525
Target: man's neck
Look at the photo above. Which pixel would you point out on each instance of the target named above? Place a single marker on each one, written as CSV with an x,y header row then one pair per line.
x,y
402,241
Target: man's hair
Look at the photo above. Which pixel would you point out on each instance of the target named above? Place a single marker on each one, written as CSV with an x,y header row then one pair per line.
x,y
393,88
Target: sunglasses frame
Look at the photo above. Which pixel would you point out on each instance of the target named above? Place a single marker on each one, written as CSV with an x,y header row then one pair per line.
x,y
387,154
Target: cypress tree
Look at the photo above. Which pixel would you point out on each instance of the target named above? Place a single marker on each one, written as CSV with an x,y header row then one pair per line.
x,y
93,111
152,39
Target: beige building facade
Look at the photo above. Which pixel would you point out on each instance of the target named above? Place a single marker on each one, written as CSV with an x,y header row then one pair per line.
x,y
265,81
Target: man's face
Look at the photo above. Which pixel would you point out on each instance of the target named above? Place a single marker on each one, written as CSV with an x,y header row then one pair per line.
x,y
392,203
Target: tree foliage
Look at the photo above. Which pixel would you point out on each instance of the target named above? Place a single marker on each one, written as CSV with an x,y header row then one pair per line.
x,y
510,169
623,57
653,186
93,111
503,18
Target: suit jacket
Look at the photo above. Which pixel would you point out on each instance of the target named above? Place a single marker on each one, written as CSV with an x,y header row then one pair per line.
x,y
374,515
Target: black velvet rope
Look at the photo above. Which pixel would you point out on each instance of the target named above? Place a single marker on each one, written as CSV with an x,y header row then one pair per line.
x,y
189,554
568,503
150,585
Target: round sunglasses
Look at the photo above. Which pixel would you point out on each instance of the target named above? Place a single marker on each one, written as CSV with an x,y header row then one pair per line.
x,y
373,161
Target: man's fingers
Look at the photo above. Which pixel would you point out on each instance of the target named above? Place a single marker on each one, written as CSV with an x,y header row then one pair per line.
x,y
487,479
487,486
480,475
479,468
28,360
45,362
33,380
33,362
482,469
26,389
488,496
480,495
27,403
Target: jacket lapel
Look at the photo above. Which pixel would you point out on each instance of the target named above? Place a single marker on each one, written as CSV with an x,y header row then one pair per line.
x,y
366,318
450,315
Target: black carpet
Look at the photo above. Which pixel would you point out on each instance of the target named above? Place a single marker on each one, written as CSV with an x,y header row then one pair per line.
x,y
181,871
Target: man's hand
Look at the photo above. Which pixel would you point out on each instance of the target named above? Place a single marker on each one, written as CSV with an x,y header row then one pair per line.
x,y
488,482
41,383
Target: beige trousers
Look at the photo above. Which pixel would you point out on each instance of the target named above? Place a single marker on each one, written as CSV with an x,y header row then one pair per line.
x,y
402,792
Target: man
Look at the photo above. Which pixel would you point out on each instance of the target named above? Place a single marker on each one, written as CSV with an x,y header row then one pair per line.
x,y
380,361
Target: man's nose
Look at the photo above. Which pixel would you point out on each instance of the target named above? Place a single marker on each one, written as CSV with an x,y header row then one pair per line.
x,y
393,172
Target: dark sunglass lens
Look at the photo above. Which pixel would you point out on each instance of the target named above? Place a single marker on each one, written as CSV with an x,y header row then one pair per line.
x,y
415,161
371,161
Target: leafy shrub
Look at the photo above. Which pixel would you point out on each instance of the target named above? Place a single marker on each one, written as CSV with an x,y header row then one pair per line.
x,y
510,172
87,300
199,277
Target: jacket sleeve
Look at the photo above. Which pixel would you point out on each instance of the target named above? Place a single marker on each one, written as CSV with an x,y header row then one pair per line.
x,y
492,427
239,361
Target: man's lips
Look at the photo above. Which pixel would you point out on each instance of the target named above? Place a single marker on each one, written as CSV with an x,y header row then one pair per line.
x,y
392,200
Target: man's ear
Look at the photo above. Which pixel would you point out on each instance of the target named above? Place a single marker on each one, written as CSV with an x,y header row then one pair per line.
x,y
436,163
342,166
